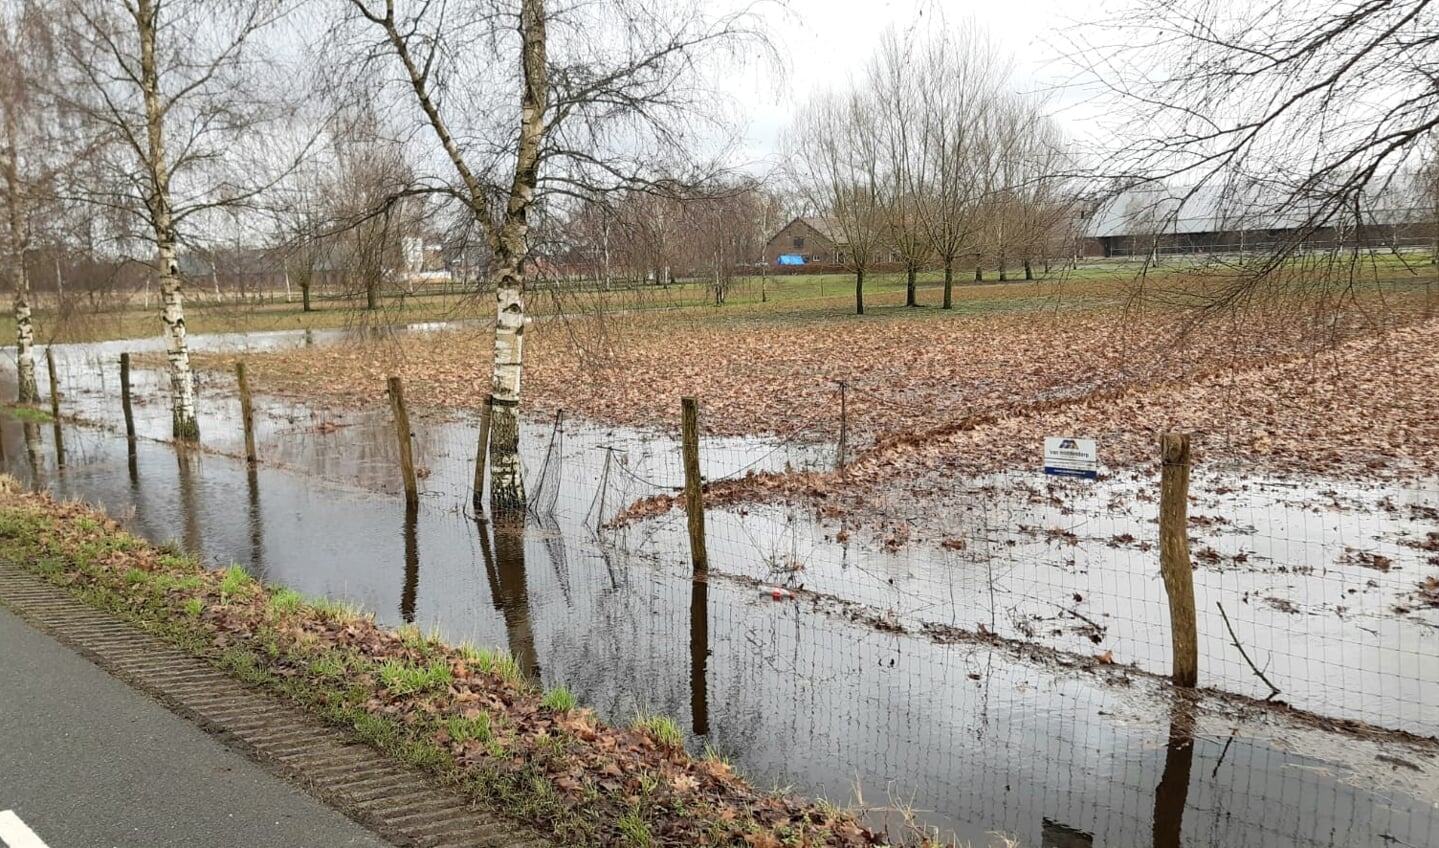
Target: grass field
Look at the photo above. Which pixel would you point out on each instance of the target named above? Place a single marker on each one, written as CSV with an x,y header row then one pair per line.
x,y
775,298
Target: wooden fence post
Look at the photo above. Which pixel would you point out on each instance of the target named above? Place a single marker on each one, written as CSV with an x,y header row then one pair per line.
x,y
839,457
402,430
247,413
694,495
482,454
1174,557
55,408
125,401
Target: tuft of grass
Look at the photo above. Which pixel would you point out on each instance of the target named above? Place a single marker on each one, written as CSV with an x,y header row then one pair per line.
x,y
559,699
341,612
463,729
635,830
235,582
194,606
494,661
286,602
403,678
662,729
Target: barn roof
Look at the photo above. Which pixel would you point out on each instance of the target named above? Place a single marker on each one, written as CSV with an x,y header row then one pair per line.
x,y
1216,208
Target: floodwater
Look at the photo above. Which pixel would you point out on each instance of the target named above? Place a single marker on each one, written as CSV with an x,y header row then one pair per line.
x,y
966,737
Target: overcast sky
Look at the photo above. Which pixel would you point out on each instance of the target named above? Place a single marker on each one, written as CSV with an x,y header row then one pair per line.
x,y
826,42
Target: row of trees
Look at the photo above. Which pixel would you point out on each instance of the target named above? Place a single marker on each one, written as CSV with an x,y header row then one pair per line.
x,y
931,158
330,125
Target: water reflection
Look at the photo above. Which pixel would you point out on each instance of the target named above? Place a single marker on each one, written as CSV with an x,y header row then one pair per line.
x,y
188,461
699,654
1172,794
412,563
34,450
257,526
505,568
1056,835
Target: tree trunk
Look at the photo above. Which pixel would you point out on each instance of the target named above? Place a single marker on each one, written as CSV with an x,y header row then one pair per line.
x,y
949,283
859,291
979,270
507,484
24,330
1003,271
1028,270
909,283
186,425
305,296
372,294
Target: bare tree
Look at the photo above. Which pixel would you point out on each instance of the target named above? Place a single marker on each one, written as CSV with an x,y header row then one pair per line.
x,y
24,48
524,100
962,77
895,84
833,152
174,82
1325,105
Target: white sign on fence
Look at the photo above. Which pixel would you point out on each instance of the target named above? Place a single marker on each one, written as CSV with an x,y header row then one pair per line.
x,y
1071,457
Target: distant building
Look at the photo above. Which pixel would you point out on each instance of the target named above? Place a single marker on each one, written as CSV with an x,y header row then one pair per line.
x,y
806,241
1163,220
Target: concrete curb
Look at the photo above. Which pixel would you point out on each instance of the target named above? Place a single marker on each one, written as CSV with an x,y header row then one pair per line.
x,y
402,804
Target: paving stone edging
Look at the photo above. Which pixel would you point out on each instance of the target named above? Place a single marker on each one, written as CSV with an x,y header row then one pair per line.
x,y
402,804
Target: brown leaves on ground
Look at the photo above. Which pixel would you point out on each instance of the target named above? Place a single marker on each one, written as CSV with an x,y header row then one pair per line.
x,y
567,763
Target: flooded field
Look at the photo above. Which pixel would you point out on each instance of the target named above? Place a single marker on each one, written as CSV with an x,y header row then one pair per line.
x,y
864,687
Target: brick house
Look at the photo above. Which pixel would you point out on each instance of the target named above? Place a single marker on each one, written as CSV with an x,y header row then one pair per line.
x,y
813,240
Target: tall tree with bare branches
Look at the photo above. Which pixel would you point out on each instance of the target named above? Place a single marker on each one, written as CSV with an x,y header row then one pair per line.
x,y
175,83
527,100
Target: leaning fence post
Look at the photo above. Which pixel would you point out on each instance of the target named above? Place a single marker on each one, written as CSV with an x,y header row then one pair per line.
x,y
125,401
694,496
247,414
55,407
1174,560
402,430
839,458
482,454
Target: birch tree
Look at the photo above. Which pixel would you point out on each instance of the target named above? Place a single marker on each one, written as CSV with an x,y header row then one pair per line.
x,y
22,41
174,82
526,100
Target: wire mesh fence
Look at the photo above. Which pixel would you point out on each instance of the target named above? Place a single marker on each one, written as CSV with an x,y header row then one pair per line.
x,y
979,651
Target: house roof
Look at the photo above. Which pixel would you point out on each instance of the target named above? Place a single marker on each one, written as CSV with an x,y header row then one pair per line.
x,y
1218,208
827,228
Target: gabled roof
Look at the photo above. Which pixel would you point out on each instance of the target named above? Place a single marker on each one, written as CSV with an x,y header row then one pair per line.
x,y
826,227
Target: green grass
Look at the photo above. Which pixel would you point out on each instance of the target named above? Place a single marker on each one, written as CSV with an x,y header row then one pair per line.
x,y
31,414
194,606
341,612
236,582
463,729
403,678
662,729
286,601
559,699
636,830
494,661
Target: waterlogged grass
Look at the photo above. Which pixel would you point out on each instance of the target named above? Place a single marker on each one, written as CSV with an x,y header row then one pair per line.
x,y
468,715
29,414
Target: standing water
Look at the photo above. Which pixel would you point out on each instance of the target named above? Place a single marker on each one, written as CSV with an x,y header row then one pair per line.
x,y
969,738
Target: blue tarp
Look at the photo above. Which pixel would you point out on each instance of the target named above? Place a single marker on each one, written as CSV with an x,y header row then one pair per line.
x,y
791,259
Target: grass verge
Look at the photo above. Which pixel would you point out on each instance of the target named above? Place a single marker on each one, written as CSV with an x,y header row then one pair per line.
x,y
465,715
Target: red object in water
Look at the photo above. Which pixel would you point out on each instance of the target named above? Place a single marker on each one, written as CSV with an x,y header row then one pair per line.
x,y
780,593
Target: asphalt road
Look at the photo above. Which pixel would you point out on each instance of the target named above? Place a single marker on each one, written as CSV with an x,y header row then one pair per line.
x,y
87,762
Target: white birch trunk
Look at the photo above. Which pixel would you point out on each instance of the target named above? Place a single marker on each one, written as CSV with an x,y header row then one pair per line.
x,y
24,329
507,484
182,391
